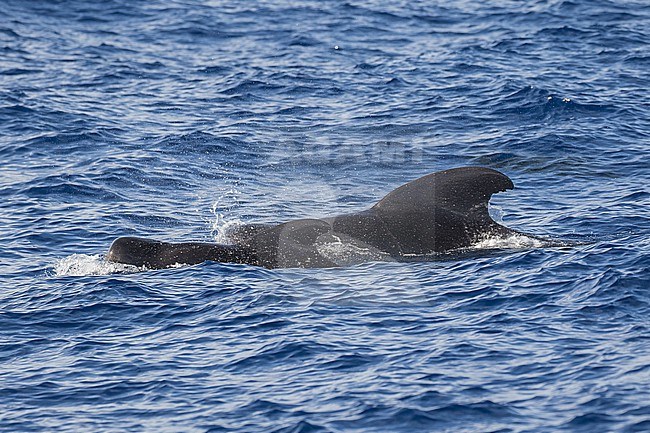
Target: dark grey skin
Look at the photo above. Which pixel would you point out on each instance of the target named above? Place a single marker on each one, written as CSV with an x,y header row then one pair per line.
x,y
436,213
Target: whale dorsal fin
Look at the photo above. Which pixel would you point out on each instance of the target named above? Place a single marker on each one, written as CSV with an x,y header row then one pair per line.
x,y
464,190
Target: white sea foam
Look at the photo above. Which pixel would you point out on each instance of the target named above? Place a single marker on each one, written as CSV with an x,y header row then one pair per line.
x,y
515,241
79,265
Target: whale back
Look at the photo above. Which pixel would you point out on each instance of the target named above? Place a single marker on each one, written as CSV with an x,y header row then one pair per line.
x,y
435,213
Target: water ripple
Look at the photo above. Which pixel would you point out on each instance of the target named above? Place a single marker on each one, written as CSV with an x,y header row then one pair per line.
x,y
180,120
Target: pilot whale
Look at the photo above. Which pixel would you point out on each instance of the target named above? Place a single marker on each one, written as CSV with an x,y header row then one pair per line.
x,y
436,213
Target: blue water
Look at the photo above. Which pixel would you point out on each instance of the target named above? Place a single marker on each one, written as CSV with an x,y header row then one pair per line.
x,y
179,119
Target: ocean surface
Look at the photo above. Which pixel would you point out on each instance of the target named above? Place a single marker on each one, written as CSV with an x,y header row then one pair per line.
x,y
178,120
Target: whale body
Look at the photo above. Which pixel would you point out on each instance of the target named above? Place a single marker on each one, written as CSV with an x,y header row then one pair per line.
x,y
436,213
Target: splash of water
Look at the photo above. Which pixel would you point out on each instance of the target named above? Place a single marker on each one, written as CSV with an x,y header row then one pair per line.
x,y
79,265
220,225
